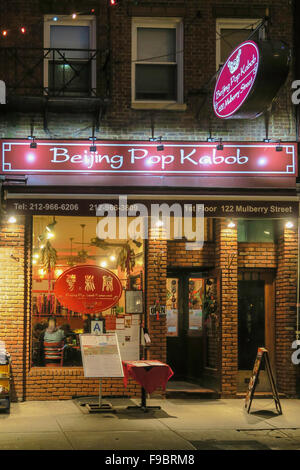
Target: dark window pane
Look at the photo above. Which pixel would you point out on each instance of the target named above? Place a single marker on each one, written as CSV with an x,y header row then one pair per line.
x,y
156,82
256,231
70,37
156,44
69,79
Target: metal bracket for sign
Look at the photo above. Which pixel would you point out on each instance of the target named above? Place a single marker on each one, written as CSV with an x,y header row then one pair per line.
x,y
100,407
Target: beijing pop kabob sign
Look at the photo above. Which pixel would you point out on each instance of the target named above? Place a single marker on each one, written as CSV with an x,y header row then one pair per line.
x,y
250,79
242,159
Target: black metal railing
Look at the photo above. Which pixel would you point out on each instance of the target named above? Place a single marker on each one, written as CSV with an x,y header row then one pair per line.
x,y
55,71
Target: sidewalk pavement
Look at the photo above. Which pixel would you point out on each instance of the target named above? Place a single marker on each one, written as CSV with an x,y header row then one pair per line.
x,y
179,425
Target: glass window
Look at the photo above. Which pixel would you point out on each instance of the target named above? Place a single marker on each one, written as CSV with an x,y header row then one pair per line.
x,y
58,244
256,231
70,37
69,69
157,61
196,292
230,39
230,33
172,306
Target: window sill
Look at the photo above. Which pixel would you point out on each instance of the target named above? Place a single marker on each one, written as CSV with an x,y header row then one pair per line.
x,y
163,106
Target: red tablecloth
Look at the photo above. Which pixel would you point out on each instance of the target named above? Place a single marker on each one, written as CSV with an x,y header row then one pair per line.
x,y
149,374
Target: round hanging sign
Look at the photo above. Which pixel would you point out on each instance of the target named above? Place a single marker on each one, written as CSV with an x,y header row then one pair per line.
x,y
88,289
250,79
236,79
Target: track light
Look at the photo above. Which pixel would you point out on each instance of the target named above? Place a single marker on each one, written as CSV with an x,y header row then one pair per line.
x,y
220,145
93,147
33,144
160,147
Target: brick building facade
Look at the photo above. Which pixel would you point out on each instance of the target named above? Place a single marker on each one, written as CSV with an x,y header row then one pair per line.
x,y
114,116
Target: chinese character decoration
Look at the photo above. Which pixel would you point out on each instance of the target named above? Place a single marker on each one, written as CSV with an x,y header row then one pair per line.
x,y
89,282
70,280
107,284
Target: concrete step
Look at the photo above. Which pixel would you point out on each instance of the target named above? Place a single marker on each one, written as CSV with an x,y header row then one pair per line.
x,y
178,389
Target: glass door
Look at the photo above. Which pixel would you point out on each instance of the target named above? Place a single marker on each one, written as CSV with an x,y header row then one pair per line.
x,y
185,326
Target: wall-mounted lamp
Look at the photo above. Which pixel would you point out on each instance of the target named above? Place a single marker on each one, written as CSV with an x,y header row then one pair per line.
x,y
231,224
12,220
289,224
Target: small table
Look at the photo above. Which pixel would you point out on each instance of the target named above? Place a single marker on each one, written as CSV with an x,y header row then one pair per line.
x,y
150,374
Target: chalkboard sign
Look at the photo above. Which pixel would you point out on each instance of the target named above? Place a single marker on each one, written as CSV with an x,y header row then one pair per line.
x,y
262,353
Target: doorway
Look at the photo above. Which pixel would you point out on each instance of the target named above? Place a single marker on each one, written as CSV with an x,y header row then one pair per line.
x,y
185,326
255,324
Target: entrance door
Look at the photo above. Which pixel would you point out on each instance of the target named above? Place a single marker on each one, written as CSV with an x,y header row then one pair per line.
x,y
255,324
185,326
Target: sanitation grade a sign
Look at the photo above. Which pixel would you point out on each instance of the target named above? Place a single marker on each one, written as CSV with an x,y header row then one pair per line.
x,y
88,289
236,79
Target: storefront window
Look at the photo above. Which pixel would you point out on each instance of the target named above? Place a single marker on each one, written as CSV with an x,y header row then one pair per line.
x,y
172,307
256,231
63,242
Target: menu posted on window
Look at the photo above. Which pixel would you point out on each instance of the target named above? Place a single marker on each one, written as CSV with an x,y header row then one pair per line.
x,y
101,355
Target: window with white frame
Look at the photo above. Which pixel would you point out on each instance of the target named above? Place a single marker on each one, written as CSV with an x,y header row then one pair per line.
x,y
70,56
157,60
230,32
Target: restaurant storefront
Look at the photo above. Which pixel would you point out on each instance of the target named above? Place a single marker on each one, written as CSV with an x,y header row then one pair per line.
x,y
207,302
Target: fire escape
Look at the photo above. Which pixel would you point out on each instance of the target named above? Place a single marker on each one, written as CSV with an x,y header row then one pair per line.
x,y
56,80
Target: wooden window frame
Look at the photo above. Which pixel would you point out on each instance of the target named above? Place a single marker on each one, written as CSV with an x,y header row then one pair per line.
x,y
174,23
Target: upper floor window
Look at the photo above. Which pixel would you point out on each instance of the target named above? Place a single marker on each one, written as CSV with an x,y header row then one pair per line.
x,y
70,59
157,61
230,32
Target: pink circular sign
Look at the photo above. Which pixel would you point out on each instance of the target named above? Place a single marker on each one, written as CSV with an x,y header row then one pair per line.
x,y
236,79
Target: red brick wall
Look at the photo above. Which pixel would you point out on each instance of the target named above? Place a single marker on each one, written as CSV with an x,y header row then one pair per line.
x,y
179,256
156,290
66,383
226,261
257,255
12,300
285,321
